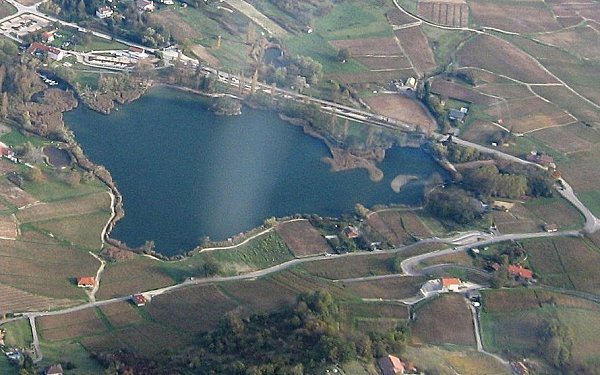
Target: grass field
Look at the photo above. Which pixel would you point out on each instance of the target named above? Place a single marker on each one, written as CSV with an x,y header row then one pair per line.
x,y
433,324
6,9
18,334
453,360
73,352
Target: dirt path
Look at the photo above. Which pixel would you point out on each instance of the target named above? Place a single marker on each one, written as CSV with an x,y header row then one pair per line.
x,y
256,16
93,292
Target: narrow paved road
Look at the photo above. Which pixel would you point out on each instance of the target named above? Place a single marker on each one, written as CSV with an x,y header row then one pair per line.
x,y
36,341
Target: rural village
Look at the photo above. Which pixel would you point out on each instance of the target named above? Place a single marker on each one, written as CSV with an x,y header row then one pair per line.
x,y
494,273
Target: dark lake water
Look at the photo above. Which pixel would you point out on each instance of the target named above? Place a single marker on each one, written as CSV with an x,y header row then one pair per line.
x,y
185,173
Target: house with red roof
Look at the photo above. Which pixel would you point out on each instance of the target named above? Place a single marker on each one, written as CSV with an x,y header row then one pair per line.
x,y
520,272
451,284
139,299
86,282
52,52
391,365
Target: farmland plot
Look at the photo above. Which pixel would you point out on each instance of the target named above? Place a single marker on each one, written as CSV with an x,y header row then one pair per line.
x,y
533,16
582,41
351,266
499,56
431,324
403,109
456,91
68,326
445,12
395,288
302,238
416,46
121,314
16,300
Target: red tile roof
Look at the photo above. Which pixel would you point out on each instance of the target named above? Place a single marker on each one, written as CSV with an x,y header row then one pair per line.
x,y
139,299
520,271
449,281
86,280
391,365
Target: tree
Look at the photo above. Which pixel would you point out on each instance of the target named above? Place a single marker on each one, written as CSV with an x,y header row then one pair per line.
x,y
210,268
343,55
35,175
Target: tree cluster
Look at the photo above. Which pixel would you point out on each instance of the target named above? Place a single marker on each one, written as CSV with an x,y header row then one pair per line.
x,y
296,71
508,181
452,204
299,339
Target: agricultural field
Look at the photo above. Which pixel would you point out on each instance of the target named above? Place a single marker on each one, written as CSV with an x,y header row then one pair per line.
x,y
44,268
70,326
459,258
298,281
453,360
121,314
583,42
133,276
374,316
454,90
445,12
555,210
403,109
499,56
65,208
416,46
532,17
392,230
512,325
259,295
14,195
6,9
565,262
73,352
351,266
302,238
391,288
433,326
8,227
206,303
16,300
582,171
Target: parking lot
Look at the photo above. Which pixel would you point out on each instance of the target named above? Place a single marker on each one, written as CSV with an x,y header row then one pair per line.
x,y
23,25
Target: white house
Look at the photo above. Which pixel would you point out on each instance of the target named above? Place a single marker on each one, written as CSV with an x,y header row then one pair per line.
x,y
104,12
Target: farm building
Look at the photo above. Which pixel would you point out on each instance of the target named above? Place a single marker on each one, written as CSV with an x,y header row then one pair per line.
x,y
520,272
86,282
391,365
139,299
53,53
104,12
457,115
351,232
451,284
550,227
541,158
145,5
54,370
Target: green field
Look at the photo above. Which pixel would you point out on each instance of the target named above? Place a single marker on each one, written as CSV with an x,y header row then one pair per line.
x,y
18,334
354,20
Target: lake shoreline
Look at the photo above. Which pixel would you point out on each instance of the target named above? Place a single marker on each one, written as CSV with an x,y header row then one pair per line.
x,y
106,178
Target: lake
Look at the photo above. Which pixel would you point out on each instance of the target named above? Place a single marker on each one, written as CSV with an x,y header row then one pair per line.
x,y
186,173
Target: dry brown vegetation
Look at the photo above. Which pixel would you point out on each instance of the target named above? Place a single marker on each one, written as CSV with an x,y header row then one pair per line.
x,y
121,314
397,18
8,227
302,239
445,12
499,56
391,229
71,207
173,23
259,295
403,109
16,300
416,46
444,320
15,195
351,266
396,288
456,91
132,276
205,303
532,16
47,269
582,41
68,326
